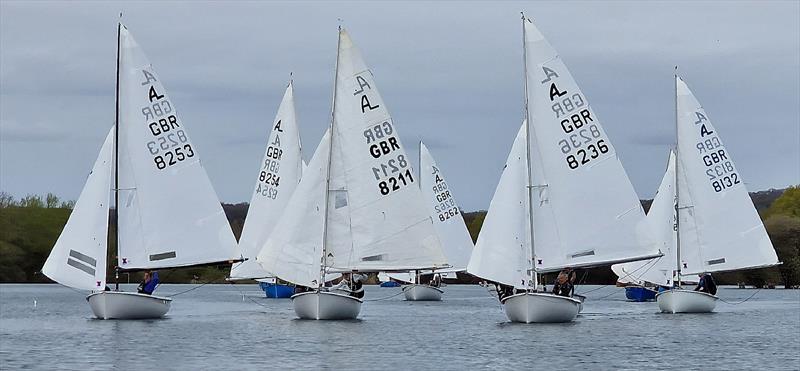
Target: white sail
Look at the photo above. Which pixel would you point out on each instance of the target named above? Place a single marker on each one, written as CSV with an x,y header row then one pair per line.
x,y
377,219
278,174
586,212
169,214
293,251
661,216
444,210
720,229
78,258
502,253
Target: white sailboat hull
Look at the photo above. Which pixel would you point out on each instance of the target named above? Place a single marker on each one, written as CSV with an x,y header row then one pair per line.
x,y
326,306
127,305
539,307
422,293
686,301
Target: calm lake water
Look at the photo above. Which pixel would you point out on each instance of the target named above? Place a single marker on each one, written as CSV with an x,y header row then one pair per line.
x,y
236,327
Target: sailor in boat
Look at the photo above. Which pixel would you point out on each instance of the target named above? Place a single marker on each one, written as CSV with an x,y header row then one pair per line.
x,y
436,280
352,283
149,283
706,284
565,283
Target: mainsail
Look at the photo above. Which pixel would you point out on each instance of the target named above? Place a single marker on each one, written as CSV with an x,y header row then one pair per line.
x,y
169,214
586,212
444,211
375,217
78,258
278,175
720,229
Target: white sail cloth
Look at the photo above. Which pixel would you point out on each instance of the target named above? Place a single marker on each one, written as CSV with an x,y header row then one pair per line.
x,y
169,214
78,258
502,253
445,212
293,250
375,217
586,212
720,229
278,174
661,216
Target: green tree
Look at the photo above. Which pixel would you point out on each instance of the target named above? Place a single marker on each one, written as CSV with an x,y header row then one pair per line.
x,y
787,204
7,200
51,200
784,231
31,201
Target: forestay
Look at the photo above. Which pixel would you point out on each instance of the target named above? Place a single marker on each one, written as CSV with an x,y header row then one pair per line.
x,y
661,216
502,253
293,251
377,218
586,212
444,210
278,175
78,258
169,215
728,233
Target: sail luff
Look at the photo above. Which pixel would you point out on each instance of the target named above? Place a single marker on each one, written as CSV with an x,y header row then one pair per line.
x,y
529,186
116,159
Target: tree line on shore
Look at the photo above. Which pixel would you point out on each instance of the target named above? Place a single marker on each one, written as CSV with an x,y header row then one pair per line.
x,y
29,227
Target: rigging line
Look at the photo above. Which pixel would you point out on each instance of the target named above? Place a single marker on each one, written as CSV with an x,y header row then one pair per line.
x,y
626,276
737,303
196,287
244,295
388,297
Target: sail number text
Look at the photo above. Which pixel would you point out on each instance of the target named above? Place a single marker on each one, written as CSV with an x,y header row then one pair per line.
x,y
392,172
583,141
445,207
718,166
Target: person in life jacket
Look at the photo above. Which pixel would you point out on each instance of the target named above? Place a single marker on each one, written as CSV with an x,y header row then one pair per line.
x,y
357,285
565,283
436,280
706,284
149,283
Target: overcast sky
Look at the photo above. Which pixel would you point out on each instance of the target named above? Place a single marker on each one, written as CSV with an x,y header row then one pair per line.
x,y
450,73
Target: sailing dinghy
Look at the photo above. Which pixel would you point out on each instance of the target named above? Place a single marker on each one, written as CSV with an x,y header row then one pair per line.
x,y
167,213
563,200
278,174
718,228
449,223
357,207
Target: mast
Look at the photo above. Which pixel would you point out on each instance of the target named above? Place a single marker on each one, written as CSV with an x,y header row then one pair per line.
x,y
529,186
677,188
324,261
116,160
